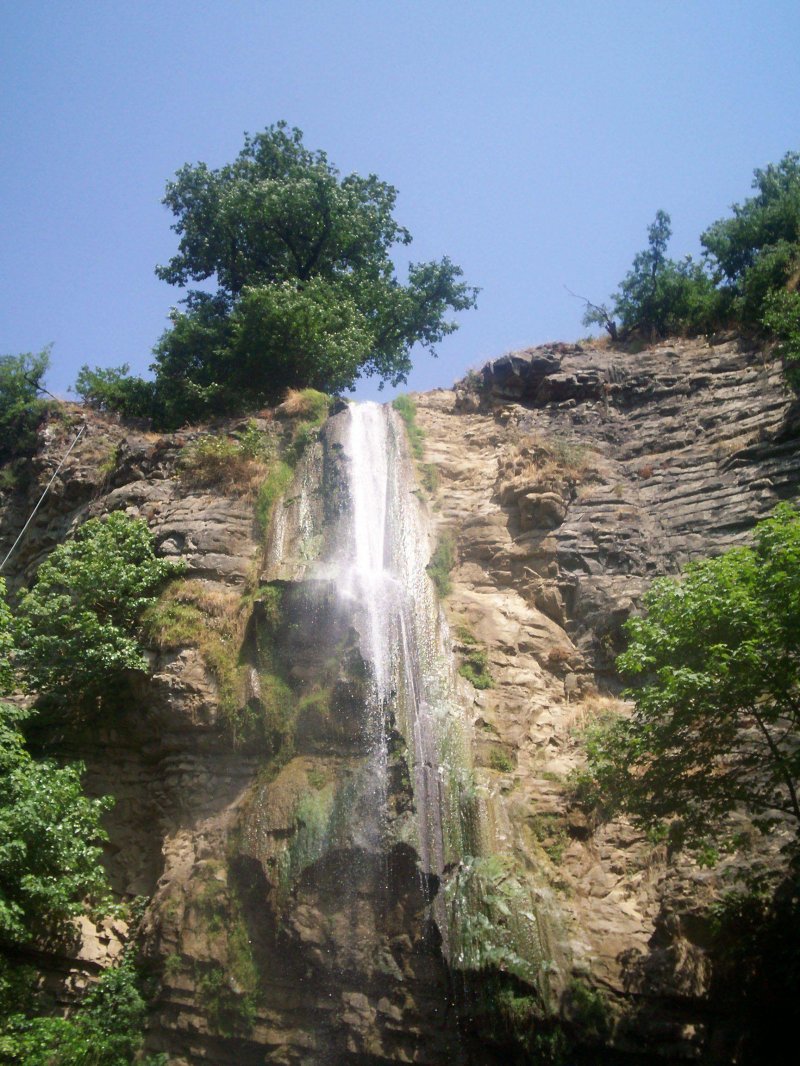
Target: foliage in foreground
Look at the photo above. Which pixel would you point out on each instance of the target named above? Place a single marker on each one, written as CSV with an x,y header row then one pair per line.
x,y
307,292
49,840
716,723
50,872
50,831
77,626
105,1030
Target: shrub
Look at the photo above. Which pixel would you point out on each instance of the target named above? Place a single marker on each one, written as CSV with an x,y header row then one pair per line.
x,y
113,389
500,761
442,562
77,626
107,1029
474,660
222,463
49,840
781,316
254,443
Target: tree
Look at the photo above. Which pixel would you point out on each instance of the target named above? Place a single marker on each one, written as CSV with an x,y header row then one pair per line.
x,y
76,628
781,316
306,289
50,837
21,409
113,389
716,719
757,251
658,295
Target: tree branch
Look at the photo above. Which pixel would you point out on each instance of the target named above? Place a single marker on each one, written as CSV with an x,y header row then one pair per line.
x,y
781,762
601,311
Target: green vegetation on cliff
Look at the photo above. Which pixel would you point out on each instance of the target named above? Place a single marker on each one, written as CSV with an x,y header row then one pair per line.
x,y
50,836
76,628
106,1027
307,291
21,409
716,720
50,873
748,278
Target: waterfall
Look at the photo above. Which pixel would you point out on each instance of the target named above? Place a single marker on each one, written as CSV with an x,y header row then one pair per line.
x,y
381,890
403,633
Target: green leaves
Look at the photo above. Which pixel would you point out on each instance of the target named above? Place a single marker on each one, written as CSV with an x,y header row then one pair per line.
x,y
50,837
758,248
307,294
659,295
107,1029
20,408
716,722
6,642
307,290
781,316
76,627
748,277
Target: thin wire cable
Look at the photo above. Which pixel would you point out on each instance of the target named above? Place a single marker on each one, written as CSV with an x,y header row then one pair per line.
x,y
41,498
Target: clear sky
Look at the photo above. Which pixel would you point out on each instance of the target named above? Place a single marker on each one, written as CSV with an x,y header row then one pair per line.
x,y
531,141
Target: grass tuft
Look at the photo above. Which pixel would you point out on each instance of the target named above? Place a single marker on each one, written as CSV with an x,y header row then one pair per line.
x,y
442,562
407,410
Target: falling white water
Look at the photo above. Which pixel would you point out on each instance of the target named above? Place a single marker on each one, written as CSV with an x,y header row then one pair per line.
x,y
367,576
400,624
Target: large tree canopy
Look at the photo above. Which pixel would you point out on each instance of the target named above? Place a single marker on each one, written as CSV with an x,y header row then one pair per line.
x,y
307,292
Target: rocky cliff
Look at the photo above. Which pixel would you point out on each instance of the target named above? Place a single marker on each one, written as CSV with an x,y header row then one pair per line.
x,y
567,477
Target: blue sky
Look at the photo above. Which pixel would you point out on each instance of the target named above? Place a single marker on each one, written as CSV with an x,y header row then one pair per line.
x,y
532,142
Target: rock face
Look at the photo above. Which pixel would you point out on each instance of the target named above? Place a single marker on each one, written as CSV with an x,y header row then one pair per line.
x,y
568,479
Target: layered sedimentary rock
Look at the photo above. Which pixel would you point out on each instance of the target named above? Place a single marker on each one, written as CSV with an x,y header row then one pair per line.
x,y
572,476
569,476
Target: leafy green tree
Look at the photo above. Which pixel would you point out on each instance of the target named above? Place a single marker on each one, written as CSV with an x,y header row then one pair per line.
x,y
781,316
49,830
716,722
50,872
307,291
757,251
21,408
658,296
50,836
113,389
76,628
